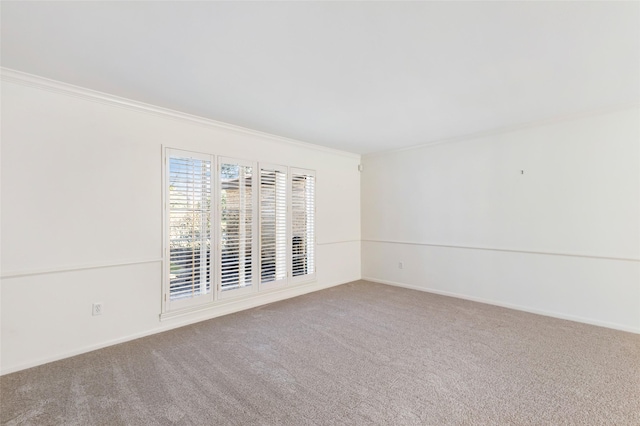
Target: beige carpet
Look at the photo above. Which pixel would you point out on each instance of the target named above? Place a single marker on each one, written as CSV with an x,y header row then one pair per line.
x,y
360,353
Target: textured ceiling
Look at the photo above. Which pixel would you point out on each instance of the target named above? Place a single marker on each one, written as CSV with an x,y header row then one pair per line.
x,y
357,76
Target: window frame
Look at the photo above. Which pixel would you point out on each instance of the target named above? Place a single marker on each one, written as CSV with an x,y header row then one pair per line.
x,y
253,287
169,305
278,283
171,308
311,276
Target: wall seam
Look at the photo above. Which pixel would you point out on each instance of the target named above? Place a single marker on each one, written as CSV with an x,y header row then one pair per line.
x,y
508,250
19,274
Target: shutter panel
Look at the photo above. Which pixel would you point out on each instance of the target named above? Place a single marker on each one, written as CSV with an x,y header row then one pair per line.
x,y
302,223
273,224
189,233
236,225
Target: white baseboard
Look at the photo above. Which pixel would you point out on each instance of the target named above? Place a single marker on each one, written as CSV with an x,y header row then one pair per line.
x,y
177,322
558,315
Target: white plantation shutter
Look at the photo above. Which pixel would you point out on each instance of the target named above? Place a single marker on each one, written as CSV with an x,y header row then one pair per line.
x,y
302,223
189,225
263,232
273,224
236,225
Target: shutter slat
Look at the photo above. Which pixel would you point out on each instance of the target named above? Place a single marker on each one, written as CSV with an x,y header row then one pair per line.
x,y
273,226
189,196
303,228
236,225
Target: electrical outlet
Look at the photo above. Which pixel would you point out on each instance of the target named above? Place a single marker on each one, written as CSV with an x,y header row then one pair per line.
x,y
400,265
97,308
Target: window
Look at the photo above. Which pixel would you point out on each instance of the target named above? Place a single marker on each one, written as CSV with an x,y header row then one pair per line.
x,y
188,194
236,225
273,225
302,223
233,227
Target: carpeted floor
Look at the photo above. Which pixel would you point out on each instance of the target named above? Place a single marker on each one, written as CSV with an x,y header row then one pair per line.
x,y
359,353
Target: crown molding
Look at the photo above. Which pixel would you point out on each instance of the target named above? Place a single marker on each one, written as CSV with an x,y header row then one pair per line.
x,y
510,129
34,81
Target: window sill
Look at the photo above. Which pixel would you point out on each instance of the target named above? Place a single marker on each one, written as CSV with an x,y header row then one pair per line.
x,y
241,302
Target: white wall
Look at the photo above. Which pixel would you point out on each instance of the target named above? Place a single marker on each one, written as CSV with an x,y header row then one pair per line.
x,y
82,216
561,239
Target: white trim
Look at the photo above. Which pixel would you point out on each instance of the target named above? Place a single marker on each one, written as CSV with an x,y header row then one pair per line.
x,y
30,80
573,318
225,308
545,253
287,202
309,276
18,274
255,231
164,207
176,152
240,292
242,302
510,129
337,242
166,303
